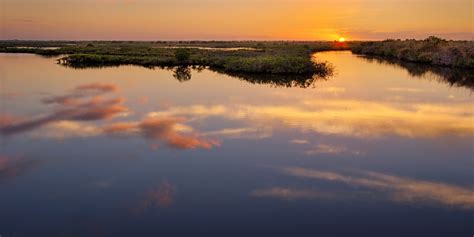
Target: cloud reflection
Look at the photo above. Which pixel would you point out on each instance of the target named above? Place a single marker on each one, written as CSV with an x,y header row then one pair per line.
x,y
80,92
331,149
351,118
11,167
291,193
239,133
66,129
161,196
398,188
168,130
70,107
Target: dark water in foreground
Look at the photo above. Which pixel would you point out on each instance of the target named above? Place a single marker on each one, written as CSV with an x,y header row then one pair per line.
x,y
129,151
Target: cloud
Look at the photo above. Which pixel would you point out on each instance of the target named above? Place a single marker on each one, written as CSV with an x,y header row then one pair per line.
x,y
157,197
168,130
70,107
398,188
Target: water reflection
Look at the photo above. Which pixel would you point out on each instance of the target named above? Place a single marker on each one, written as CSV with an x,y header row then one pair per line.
x,y
452,76
182,73
161,196
397,188
281,80
369,139
360,119
13,166
168,130
84,103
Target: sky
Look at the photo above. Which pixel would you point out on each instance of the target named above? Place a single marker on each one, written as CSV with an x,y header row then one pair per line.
x,y
235,19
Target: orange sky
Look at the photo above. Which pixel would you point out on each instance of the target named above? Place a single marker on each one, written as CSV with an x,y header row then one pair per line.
x,y
235,19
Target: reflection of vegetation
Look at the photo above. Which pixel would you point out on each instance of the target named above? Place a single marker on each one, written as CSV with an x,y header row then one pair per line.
x,y
452,76
267,57
283,80
182,73
280,80
433,50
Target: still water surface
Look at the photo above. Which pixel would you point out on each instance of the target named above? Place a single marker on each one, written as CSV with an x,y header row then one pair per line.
x,y
375,150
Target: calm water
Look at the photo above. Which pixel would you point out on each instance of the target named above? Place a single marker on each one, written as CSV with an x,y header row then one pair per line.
x,y
129,151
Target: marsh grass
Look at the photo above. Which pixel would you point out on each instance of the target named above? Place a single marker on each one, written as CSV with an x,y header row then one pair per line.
x,y
432,50
278,57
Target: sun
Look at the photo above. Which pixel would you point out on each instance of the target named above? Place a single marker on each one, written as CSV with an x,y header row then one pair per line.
x,y
342,39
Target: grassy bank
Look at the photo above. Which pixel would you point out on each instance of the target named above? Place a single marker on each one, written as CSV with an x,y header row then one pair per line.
x,y
279,57
433,51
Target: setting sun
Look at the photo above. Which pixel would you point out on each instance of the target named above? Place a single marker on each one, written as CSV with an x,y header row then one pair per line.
x,y
342,39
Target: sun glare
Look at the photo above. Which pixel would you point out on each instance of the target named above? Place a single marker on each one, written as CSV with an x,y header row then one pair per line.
x,y
342,39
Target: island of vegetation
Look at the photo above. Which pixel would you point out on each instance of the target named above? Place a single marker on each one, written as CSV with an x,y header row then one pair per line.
x,y
227,56
433,51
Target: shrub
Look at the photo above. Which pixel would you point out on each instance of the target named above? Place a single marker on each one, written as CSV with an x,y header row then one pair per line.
x,y
432,50
182,55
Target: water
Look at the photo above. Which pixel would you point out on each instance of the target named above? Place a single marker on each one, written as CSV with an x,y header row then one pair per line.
x,y
375,150
45,48
211,48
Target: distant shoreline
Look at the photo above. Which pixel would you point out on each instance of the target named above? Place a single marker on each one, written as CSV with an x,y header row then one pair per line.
x,y
263,57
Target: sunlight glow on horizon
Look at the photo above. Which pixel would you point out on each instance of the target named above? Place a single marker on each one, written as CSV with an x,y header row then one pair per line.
x,y
235,20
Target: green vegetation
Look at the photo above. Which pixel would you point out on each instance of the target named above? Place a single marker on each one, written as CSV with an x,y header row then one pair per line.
x,y
182,55
277,57
257,57
433,51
